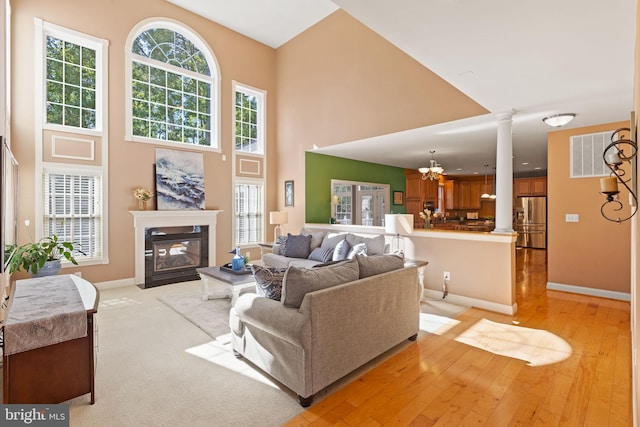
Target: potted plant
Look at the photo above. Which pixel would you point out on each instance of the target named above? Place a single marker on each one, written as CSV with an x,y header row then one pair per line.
x,y
43,258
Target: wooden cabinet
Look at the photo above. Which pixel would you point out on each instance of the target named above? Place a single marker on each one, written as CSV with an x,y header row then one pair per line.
x,y
536,186
468,195
418,192
449,194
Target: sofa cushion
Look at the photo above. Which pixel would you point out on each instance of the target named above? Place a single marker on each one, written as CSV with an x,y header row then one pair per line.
x,y
297,246
341,251
300,281
332,239
375,245
378,264
321,254
316,238
268,281
359,249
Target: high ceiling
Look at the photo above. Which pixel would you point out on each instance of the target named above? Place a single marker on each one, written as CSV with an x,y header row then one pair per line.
x,y
533,58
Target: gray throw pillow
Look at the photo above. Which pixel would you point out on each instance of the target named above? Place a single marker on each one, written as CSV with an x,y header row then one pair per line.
x,y
375,245
321,254
268,281
378,264
341,251
359,249
316,237
300,281
297,246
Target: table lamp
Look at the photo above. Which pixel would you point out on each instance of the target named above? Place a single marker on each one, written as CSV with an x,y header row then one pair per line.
x,y
278,218
398,224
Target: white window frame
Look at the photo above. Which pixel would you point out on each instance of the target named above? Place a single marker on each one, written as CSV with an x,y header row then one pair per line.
x,y
249,181
215,79
42,29
261,97
54,168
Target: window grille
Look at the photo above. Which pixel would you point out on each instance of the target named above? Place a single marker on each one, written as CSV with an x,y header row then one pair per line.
x,y
249,119
249,211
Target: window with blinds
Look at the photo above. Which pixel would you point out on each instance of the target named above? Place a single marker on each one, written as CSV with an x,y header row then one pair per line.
x,y
249,210
72,210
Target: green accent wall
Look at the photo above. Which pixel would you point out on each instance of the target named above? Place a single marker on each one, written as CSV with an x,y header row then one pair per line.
x,y
320,169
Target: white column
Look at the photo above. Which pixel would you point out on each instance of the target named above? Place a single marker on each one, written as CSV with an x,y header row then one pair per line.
x,y
504,175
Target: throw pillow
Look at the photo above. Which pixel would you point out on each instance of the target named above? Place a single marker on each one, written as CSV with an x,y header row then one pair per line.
x,y
316,237
300,281
321,254
332,239
375,245
280,246
359,249
378,264
297,246
341,251
268,281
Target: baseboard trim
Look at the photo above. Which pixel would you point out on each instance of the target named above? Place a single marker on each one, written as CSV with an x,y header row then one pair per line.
x,y
473,302
603,293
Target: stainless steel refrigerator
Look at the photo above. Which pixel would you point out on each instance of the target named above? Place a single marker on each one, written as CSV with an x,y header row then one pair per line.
x,y
531,222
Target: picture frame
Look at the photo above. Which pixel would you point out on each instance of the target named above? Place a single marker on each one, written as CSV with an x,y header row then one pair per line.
x,y
288,193
398,198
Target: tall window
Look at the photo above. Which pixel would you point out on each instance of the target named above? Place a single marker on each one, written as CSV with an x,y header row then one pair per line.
x,y
173,83
73,78
72,209
249,120
70,83
249,210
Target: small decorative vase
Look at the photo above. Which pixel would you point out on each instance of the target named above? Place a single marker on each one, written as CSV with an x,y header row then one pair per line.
x,y
142,205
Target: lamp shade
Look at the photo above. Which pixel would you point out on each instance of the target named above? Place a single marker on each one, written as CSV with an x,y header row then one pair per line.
x,y
398,223
278,217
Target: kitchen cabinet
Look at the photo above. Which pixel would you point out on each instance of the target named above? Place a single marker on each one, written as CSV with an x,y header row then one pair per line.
x,y
536,186
468,194
449,194
418,192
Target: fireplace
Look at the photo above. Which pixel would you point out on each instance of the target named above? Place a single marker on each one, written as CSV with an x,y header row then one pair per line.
x,y
172,254
143,220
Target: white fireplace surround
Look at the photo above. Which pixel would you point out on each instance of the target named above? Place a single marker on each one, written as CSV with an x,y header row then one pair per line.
x,y
149,219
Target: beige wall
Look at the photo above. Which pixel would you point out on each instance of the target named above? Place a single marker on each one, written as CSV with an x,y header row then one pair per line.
x,y
131,164
338,82
635,252
594,252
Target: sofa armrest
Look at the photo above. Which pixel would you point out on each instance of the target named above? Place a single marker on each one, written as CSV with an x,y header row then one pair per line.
x,y
273,317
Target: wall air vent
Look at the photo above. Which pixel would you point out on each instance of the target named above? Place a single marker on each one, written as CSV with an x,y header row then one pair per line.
x,y
586,154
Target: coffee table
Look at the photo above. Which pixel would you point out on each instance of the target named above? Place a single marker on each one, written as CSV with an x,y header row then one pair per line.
x,y
234,283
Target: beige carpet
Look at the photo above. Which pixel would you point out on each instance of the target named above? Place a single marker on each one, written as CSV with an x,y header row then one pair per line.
x,y
212,316
154,368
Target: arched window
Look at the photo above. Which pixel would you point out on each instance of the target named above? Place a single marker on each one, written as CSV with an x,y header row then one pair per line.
x,y
173,83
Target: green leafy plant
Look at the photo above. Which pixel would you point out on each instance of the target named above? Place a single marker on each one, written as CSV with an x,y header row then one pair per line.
x,y
32,256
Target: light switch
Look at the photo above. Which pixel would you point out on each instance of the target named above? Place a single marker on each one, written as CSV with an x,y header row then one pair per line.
x,y
572,217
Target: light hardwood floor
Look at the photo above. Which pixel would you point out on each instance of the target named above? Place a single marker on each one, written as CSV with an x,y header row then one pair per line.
x,y
438,381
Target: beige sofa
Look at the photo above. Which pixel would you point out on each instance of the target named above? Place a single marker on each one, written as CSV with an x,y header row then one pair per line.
x,y
334,330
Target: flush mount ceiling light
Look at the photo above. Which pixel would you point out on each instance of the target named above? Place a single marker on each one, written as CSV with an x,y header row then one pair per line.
x,y
434,170
558,120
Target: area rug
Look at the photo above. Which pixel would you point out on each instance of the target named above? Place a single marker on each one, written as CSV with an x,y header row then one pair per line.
x,y
212,316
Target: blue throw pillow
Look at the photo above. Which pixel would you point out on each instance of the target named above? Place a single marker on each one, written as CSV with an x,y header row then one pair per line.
x,y
341,251
297,246
321,254
268,281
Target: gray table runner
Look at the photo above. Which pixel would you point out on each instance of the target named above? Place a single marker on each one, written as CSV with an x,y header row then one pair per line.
x,y
44,311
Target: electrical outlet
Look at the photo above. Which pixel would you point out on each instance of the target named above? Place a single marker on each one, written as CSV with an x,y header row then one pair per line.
x,y
572,217
447,275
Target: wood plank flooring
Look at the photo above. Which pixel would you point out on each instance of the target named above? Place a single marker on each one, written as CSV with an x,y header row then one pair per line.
x,y
438,381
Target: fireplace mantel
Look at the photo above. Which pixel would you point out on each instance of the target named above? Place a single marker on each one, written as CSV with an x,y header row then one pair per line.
x,y
148,219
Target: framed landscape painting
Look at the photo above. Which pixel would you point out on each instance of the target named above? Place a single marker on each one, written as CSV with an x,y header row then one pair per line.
x,y
179,180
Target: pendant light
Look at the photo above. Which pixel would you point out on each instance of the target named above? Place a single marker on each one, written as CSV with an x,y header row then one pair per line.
x,y
485,195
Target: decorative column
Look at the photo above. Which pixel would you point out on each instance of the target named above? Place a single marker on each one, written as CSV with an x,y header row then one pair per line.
x,y
504,175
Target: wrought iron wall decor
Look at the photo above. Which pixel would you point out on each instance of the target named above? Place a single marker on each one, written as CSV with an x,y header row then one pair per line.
x,y
620,151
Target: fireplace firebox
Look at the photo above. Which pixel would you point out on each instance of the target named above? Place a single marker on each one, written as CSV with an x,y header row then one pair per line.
x,y
172,254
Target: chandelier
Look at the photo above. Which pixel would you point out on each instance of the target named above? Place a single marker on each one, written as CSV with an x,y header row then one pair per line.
x,y
434,170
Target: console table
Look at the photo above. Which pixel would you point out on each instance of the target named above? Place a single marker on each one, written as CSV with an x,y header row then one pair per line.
x,y
54,372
